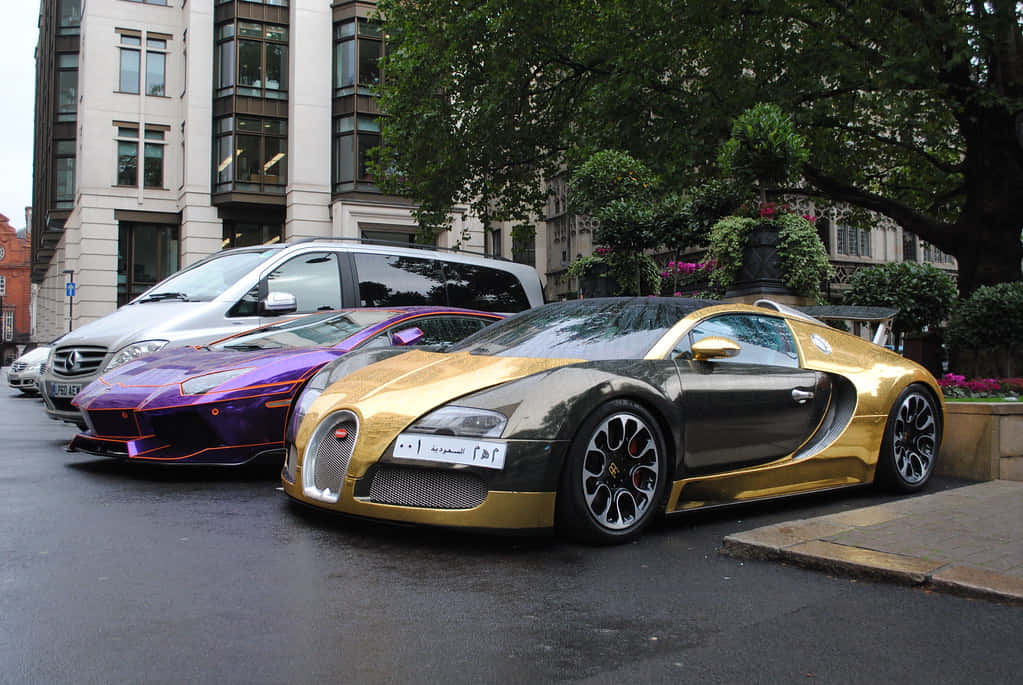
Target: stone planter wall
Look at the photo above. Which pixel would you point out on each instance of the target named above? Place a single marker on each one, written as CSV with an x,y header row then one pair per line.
x,y
983,441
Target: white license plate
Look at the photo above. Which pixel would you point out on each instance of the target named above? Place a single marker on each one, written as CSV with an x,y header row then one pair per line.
x,y
65,389
450,450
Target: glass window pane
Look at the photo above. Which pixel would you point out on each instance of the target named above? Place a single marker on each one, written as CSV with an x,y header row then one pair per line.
x,y
130,40
65,178
225,31
155,71
127,163
391,281
225,64
67,60
345,75
250,29
65,147
157,43
225,154
250,68
154,133
369,65
480,287
153,172
67,91
275,168
368,28
345,159
367,141
345,29
275,32
127,132
248,124
129,71
277,67
248,158
314,280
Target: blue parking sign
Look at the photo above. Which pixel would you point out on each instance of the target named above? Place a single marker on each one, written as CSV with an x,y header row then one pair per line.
x,y
69,289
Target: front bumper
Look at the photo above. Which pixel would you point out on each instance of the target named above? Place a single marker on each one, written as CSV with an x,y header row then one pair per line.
x,y
519,497
28,382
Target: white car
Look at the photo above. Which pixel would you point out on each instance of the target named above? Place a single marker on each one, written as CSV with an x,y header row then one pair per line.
x,y
25,370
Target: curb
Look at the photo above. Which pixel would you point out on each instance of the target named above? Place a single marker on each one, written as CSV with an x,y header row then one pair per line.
x,y
791,543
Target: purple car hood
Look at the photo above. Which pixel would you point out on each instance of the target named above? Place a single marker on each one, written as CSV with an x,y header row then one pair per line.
x,y
155,379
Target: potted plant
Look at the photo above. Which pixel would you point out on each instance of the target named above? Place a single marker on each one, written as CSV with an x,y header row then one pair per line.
x,y
766,249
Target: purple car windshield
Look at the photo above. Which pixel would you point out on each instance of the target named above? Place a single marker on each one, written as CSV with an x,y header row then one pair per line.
x,y
597,329
324,329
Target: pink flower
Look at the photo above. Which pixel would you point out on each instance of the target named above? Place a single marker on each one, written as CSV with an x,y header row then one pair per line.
x,y
811,218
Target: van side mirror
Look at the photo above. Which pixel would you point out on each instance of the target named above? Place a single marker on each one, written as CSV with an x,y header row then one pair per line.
x,y
715,347
279,303
407,336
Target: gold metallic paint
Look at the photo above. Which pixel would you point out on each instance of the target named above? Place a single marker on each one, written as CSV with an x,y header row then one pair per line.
x,y
390,395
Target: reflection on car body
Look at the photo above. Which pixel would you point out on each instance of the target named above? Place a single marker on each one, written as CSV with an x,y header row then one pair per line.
x,y
606,412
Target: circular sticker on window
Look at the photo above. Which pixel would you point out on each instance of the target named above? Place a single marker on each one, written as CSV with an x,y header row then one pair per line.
x,y
820,343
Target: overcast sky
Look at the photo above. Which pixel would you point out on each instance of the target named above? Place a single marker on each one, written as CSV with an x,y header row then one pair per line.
x,y
19,19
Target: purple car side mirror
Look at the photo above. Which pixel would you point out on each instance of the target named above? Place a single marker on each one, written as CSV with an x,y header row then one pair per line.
x,y
407,336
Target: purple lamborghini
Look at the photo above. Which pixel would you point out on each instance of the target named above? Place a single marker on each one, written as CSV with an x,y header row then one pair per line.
x,y
227,403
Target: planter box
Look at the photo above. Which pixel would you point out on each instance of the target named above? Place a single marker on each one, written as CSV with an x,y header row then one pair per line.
x,y
983,441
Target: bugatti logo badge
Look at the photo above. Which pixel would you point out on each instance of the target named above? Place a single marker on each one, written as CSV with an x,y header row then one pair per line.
x,y
71,363
613,469
340,434
820,343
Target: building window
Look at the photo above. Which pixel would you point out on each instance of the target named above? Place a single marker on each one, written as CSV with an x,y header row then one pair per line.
x,y
146,254
128,155
908,247
156,66
251,58
524,248
8,326
244,234
131,56
64,173
69,17
67,86
495,243
251,155
358,46
3,286
354,137
854,242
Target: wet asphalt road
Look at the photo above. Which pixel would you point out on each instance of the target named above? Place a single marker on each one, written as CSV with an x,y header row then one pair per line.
x,y
113,573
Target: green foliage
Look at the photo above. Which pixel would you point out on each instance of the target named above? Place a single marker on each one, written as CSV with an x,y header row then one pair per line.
x,y
764,148
609,176
728,239
991,317
923,294
582,266
804,261
633,273
906,107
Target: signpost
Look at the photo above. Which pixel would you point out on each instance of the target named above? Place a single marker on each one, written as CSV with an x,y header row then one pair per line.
x,y
69,292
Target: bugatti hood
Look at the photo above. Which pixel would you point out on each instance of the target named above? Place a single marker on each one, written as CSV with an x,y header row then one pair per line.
x,y
389,395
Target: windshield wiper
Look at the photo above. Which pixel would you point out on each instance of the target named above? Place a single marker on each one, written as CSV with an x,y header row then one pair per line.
x,y
245,347
159,297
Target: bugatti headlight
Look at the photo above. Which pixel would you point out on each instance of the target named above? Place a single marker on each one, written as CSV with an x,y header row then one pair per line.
x,y
134,351
468,422
313,389
200,384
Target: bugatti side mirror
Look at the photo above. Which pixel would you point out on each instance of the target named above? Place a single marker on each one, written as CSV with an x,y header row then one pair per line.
x,y
714,347
280,303
407,336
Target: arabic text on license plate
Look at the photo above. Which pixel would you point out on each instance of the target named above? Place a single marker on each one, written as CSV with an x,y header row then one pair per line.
x,y
450,450
65,389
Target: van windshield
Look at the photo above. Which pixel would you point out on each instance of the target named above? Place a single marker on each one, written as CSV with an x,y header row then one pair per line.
x,y
207,279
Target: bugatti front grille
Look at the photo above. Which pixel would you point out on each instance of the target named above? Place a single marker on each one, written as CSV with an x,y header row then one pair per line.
x,y
327,457
78,361
428,488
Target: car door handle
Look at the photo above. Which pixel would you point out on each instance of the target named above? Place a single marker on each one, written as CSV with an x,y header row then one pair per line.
x,y
802,396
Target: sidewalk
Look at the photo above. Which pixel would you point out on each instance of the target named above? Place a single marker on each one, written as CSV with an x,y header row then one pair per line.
x,y
966,541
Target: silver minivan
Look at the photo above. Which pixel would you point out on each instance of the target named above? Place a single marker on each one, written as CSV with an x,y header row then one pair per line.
x,y
241,288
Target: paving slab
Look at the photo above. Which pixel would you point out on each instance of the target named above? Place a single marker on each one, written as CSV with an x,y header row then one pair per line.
x,y
965,541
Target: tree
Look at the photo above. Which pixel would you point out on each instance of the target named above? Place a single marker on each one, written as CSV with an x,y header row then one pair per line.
x,y
910,109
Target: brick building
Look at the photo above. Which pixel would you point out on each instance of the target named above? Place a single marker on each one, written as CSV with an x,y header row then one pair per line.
x,y
15,291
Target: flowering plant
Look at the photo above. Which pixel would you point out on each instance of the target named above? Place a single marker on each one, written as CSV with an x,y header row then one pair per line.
x,y
688,279
955,386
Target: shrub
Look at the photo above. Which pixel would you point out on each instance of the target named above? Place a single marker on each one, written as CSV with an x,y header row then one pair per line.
x,y
991,317
923,294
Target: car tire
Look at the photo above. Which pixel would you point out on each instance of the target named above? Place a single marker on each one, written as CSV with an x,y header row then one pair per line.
x,y
912,439
615,475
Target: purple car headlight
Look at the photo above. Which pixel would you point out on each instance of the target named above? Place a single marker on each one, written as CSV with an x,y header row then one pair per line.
x,y
200,384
